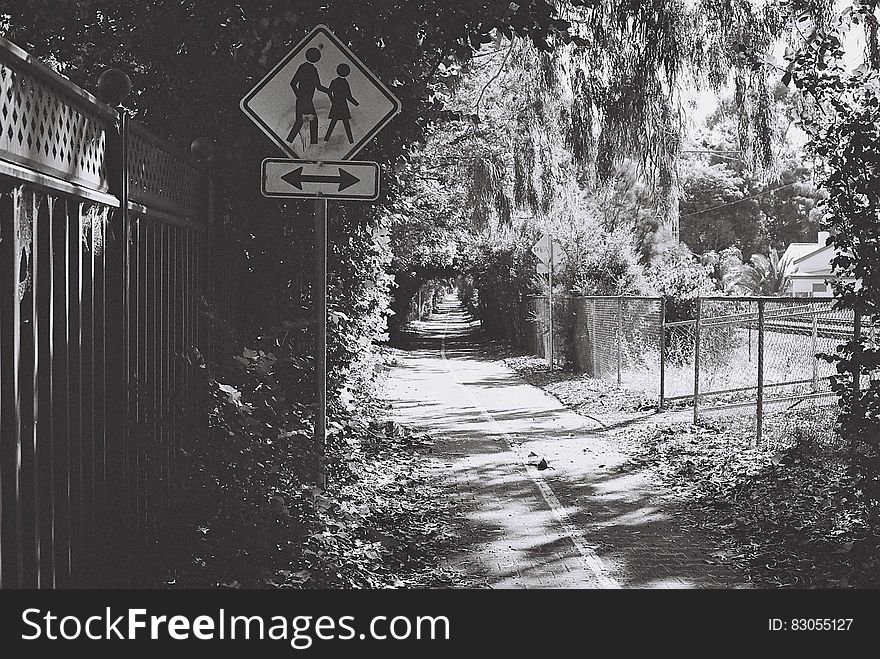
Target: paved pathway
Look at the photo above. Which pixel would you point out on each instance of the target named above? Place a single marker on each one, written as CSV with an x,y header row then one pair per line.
x,y
586,521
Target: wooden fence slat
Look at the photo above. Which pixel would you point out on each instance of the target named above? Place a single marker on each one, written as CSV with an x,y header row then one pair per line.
x,y
185,326
175,326
145,404
166,293
25,380
74,349
60,384
134,379
9,573
100,529
115,410
44,457
153,454
87,391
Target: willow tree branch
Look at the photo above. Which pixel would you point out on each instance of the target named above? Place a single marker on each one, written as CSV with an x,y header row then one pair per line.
x,y
493,78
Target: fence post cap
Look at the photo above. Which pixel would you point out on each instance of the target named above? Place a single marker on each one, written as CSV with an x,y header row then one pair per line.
x,y
202,149
114,86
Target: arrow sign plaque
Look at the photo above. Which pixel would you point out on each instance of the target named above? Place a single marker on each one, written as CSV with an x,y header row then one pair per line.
x,y
544,268
335,179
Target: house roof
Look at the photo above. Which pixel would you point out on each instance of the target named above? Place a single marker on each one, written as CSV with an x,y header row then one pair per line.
x,y
813,252
798,255
798,251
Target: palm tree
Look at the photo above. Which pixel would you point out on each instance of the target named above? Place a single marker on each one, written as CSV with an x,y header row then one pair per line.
x,y
762,275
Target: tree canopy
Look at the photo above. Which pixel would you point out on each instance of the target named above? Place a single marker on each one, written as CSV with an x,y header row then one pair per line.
x,y
518,116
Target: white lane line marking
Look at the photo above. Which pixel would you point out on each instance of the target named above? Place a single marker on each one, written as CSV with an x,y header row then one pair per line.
x,y
589,558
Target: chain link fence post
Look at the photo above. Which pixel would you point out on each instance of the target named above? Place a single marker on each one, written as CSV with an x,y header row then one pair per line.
x,y
594,344
856,371
815,348
697,361
759,410
662,402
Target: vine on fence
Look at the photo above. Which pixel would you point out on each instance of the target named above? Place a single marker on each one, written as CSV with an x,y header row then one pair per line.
x,y
842,116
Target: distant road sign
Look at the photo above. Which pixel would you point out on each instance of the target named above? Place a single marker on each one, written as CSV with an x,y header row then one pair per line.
x,y
541,249
335,179
320,102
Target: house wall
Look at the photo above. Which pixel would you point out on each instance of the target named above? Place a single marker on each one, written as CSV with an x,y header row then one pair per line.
x,y
810,286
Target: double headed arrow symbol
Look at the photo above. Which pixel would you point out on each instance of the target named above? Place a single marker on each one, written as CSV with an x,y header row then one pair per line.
x,y
296,178
338,179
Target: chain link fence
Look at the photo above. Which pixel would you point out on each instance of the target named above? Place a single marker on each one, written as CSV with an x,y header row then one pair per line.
x,y
745,363
618,339
758,368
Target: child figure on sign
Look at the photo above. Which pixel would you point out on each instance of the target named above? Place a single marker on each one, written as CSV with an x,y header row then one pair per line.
x,y
304,83
340,96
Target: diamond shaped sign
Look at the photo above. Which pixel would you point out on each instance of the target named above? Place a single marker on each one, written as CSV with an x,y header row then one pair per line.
x,y
541,249
320,102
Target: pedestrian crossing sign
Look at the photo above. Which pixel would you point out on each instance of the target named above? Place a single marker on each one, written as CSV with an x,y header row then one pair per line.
x,y
320,102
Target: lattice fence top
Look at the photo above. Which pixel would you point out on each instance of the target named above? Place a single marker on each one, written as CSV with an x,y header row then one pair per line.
x,y
42,130
47,126
161,176
53,127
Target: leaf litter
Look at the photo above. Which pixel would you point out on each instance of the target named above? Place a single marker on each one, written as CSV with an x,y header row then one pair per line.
x,y
789,516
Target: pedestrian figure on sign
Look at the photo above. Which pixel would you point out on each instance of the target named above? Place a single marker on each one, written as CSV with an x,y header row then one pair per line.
x,y
304,84
340,96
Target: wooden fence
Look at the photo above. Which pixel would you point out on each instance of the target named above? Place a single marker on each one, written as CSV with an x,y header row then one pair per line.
x,y
105,248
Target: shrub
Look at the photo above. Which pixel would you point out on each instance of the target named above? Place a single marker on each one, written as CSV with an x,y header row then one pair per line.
x,y
608,265
680,278
503,274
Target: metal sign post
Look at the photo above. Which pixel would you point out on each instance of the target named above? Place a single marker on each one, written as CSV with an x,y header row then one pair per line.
x,y
320,84
550,280
545,249
320,288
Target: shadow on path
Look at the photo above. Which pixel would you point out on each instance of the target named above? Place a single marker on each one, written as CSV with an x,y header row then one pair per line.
x,y
589,520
